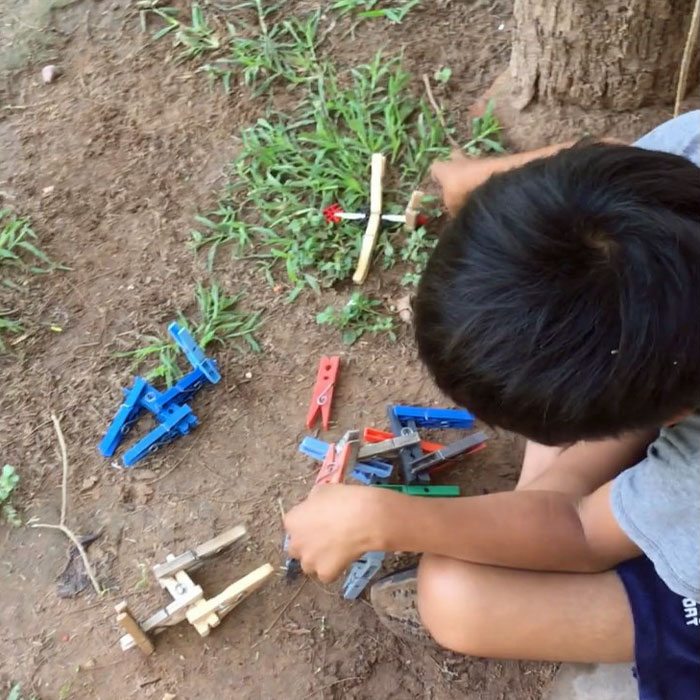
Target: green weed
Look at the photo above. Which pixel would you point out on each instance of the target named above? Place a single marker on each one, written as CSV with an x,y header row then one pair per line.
x,y
366,9
9,478
16,693
196,38
360,315
284,50
416,252
486,133
443,75
17,247
8,325
219,321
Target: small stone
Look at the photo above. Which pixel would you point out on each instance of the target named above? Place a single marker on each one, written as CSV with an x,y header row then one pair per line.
x,y
169,696
50,73
48,190
88,483
248,375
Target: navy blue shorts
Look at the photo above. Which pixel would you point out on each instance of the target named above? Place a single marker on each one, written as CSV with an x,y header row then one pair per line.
x,y
666,635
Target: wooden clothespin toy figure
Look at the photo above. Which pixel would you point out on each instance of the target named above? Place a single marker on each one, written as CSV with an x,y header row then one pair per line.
x,y
188,598
410,219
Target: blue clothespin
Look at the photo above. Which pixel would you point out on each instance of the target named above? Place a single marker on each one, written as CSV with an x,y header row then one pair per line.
x,y
179,421
368,471
434,417
372,471
126,416
170,409
361,572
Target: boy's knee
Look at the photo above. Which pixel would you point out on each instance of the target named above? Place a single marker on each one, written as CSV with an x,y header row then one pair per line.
x,y
451,603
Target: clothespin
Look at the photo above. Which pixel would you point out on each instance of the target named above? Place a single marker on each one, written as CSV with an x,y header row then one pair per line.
x,y
338,459
427,491
373,435
361,572
412,216
368,471
377,166
408,454
435,417
394,444
469,444
326,378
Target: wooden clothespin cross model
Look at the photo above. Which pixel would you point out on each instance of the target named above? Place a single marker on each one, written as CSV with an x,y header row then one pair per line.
x,y
188,598
410,219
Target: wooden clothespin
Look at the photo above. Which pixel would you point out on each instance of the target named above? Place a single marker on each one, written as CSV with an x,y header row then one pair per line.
x,y
128,623
378,165
413,210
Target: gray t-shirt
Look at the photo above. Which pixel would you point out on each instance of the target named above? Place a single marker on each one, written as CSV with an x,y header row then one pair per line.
x,y
657,502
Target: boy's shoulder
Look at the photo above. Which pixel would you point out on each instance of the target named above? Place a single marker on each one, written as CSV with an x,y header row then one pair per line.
x,y
680,135
657,504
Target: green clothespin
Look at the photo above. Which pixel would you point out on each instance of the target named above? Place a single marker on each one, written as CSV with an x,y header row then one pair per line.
x,y
420,490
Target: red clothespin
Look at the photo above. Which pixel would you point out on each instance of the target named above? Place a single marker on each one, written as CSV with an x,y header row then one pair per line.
x,y
339,458
323,391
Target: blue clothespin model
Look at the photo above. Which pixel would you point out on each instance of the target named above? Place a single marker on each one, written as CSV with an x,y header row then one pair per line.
x,y
170,409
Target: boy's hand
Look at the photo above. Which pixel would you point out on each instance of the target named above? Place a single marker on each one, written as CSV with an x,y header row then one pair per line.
x,y
457,177
332,528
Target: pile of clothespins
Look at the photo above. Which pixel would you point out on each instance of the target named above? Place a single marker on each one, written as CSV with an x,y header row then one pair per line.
x,y
395,459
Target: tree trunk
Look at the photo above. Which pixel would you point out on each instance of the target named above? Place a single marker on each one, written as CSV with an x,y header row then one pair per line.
x,y
620,55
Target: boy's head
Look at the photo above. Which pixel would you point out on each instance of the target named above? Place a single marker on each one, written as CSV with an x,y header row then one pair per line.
x,y
563,303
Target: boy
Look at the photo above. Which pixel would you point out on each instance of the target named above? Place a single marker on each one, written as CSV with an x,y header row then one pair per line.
x,y
561,304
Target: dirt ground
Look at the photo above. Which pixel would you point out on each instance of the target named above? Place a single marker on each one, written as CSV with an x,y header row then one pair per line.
x,y
112,162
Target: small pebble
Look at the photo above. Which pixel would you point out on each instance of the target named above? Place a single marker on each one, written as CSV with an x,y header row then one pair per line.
x,y
50,73
248,375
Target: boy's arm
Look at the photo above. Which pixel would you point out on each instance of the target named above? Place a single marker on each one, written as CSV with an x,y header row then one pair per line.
x,y
539,530
460,175
529,529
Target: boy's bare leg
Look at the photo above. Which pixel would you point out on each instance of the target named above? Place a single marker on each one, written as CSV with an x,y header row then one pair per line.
x,y
512,614
508,613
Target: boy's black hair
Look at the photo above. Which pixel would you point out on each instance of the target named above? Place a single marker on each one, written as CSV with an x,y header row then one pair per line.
x,y
563,303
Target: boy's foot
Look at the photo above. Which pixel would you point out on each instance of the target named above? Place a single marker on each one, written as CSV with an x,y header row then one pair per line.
x,y
394,600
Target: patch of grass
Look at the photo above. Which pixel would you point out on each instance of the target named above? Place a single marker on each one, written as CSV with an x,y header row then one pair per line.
x,y
360,315
220,321
9,478
415,252
17,245
293,165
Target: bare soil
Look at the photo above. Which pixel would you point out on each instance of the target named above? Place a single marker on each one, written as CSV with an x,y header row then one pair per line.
x,y
112,162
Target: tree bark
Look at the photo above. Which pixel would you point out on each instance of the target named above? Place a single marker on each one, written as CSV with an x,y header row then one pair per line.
x,y
619,55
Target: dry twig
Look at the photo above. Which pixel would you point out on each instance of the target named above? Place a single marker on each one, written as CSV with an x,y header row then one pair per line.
x,y
64,510
438,112
687,55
